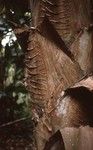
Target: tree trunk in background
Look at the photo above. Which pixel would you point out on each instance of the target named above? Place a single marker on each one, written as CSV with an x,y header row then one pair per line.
x,y
59,55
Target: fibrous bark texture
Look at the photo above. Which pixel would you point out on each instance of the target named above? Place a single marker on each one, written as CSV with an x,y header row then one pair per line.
x,y
59,53
74,110
75,107
71,139
48,68
67,16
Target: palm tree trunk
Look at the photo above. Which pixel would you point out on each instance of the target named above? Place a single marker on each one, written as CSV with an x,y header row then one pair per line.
x,y
59,54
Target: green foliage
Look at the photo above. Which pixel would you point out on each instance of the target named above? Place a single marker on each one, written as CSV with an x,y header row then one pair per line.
x,y
13,91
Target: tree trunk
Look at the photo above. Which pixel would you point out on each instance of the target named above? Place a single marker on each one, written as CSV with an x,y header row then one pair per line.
x,y
59,54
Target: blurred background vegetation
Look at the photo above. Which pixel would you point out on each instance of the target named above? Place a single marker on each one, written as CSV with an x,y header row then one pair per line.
x,y
15,19
16,123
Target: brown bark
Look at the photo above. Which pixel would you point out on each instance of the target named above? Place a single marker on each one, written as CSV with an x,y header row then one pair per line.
x,y
59,54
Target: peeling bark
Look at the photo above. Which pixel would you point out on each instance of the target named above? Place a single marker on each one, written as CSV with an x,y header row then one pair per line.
x,y
68,17
82,49
59,54
74,108
78,138
47,68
